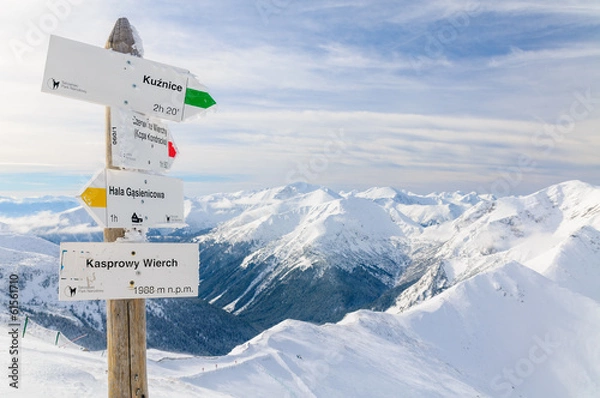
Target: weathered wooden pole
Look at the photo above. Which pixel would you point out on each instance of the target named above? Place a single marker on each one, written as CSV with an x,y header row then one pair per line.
x,y
125,319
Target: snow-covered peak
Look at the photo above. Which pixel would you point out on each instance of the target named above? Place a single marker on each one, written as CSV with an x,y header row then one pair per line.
x,y
553,231
424,210
211,210
384,193
304,189
312,221
575,198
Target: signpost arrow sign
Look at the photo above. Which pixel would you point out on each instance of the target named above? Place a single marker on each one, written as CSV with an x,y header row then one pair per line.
x,y
89,73
140,142
93,271
123,199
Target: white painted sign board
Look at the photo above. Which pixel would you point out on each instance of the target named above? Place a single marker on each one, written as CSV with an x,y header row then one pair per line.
x,y
89,73
101,271
140,142
124,199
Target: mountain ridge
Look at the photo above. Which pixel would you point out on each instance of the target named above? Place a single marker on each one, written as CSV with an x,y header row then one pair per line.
x,y
305,252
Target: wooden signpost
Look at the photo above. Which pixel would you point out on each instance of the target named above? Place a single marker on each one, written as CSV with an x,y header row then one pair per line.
x,y
141,92
125,319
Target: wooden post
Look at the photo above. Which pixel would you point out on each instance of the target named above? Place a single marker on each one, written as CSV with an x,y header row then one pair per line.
x,y
125,319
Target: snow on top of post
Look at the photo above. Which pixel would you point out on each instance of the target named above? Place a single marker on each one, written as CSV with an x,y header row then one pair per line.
x,y
138,45
125,39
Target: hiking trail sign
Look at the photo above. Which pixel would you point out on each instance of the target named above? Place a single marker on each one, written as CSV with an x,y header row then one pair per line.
x,y
140,142
100,271
125,199
136,92
88,73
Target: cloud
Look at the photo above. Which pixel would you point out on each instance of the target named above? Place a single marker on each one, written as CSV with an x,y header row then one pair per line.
x,y
389,145
519,57
344,93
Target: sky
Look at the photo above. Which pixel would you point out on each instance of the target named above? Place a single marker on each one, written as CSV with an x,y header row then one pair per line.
x,y
430,96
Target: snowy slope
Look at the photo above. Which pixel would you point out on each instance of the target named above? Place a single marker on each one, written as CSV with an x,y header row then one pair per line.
x,y
514,333
508,332
575,262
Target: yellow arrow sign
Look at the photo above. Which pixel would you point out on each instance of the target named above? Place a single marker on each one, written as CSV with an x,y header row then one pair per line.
x,y
125,199
94,197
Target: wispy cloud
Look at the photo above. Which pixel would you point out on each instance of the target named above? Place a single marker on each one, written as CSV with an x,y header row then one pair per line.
x,y
519,57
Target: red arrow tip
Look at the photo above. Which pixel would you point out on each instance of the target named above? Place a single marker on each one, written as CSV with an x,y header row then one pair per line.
x,y
172,150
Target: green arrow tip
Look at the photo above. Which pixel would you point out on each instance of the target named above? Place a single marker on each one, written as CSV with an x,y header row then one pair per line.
x,y
199,99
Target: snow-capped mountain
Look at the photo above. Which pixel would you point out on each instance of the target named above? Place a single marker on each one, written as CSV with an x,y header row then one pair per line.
x,y
427,210
317,253
305,252
554,231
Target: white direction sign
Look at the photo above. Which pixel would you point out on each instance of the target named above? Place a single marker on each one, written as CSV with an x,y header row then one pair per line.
x,y
89,73
98,271
140,142
124,199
